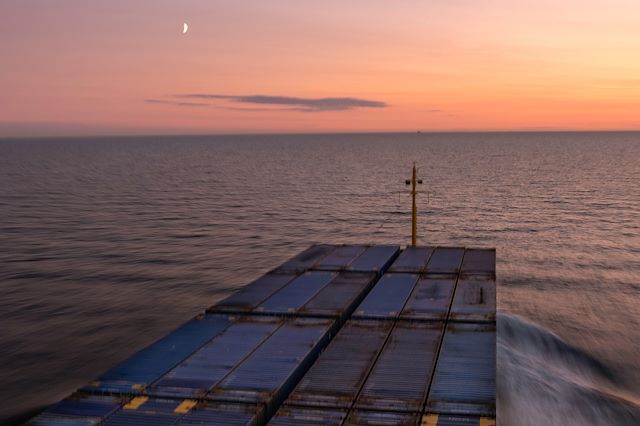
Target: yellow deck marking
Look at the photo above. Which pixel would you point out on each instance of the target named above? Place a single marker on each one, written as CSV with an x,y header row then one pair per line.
x,y
487,422
185,406
136,402
430,420
137,387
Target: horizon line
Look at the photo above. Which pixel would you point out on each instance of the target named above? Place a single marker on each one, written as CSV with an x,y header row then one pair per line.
x,y
293,133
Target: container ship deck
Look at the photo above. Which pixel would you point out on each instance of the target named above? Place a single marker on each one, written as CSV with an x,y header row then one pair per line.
x,y
337,335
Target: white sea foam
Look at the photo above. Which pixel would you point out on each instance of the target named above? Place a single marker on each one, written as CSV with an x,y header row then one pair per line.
x,y
544,380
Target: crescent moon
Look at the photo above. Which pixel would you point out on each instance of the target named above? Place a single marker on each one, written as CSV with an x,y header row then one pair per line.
x,y
185,28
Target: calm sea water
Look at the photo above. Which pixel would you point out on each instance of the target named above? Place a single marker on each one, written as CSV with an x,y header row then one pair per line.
x,y
108,244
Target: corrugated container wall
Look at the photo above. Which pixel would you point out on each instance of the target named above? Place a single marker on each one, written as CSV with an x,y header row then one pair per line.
x,y
201,371
306,259
274,368
340,258
223,414
430,299
412,260
400,378
445,260
148,365
381,418
298,292
387,298
465,377
78,410
142,411
335,378
340,297
454,420
374,259
297,416
475,301
479,262
250,296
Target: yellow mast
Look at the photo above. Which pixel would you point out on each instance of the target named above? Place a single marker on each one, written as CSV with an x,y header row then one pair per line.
x,y
414,208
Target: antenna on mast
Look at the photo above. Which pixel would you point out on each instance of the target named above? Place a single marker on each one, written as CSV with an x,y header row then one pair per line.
x,y
414,209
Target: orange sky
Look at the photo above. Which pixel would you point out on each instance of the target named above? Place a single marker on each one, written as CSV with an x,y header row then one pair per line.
x,y
115,67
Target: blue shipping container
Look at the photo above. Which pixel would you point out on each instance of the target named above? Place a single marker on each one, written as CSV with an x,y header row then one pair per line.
x,y
194,376
430,299
400,378
148,365
78,410
295,294
340,258
340,297
143,411
388,296
445,260
269,374
250,296
475,301
479,262
453,420
296,416
375,259
223,414
381,418
336,377
465,377
412,260
307,258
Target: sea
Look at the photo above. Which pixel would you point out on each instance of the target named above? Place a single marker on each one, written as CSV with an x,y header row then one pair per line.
x,y
107,244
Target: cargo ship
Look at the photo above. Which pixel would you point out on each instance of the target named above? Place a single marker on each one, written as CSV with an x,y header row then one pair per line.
x,y
337,335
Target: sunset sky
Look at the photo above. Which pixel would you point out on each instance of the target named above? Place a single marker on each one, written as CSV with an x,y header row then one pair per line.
x,y
83,67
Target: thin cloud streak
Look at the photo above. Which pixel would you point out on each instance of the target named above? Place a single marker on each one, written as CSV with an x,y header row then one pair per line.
x,y
298,104
184,104
202,104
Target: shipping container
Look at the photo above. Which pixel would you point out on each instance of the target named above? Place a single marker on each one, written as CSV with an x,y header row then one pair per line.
x,y
335,378
479,262
297,416
375,259
295,294
474,301
78,410
210,413
135,374
306,259
381,418
143,411
340,258
238,363
201,371
445,260
454,420
400,378
251,295
340,297
412,260
465,378
430,299
270,373
387,298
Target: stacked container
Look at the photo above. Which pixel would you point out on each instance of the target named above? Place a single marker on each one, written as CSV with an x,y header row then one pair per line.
x,y
350,334
419,349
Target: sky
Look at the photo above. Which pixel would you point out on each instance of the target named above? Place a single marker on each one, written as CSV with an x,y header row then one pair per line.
x,y
96,67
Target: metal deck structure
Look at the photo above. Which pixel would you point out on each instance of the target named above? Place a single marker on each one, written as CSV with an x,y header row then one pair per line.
x,y
337,335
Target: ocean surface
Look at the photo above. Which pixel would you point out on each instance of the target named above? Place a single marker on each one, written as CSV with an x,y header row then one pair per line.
x,y
107,244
